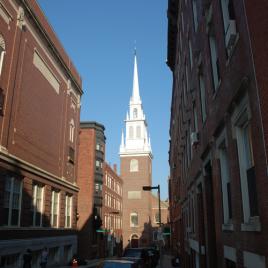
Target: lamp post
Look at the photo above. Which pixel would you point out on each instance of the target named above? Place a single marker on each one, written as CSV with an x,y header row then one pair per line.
x,y
149,188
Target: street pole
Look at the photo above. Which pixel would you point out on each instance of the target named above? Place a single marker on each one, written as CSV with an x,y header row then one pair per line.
x,y
159,205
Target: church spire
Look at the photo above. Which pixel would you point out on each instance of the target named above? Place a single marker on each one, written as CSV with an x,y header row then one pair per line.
x,y
135,91
135,140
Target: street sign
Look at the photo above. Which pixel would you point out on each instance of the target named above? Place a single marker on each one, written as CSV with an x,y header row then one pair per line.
x,y
102,231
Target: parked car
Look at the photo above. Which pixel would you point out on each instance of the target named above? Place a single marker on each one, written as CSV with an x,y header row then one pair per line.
x,y
118,263
139,255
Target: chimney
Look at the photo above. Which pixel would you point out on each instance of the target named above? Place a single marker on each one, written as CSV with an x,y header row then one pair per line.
x,y
115,168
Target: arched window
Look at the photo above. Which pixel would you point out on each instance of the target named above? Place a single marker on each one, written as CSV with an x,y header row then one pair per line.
x,y
134,220
2,52
138,131
71,128
131,132
135,113
134,165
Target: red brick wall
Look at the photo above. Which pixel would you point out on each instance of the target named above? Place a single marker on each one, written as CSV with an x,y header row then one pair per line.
x,y
133,181
220,106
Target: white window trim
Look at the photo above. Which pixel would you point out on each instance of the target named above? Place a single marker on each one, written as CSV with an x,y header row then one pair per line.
x,y
57,209
134,214
203,97
240,117
34,205
222,141
68,197
11,200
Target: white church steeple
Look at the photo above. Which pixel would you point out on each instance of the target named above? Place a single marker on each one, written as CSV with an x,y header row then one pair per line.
x,y
136,140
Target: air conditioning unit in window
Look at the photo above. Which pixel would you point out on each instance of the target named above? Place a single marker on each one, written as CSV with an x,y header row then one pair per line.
x,y
194,138
230,35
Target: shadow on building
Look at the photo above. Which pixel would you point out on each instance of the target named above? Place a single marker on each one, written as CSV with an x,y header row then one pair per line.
x,y
26,220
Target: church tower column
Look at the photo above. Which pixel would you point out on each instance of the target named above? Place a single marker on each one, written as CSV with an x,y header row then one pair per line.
x,y
136,172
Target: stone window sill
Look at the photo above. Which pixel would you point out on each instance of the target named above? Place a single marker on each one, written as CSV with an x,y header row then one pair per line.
x,y
253,225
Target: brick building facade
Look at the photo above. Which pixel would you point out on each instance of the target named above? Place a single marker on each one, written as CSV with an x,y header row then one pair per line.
x,y
40,94
90,181
112,209
218,150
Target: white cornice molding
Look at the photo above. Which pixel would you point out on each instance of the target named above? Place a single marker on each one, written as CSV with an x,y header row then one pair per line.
x,y
24,165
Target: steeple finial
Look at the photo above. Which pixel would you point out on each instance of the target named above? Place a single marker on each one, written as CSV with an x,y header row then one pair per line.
x,y
135,49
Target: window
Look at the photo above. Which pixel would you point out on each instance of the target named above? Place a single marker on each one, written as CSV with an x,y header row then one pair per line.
x,y
12,201
134,165
131,134
71,134
134,219
2,52
68,211
55,197
138,132
37,205
202,97
190,53
225,182
98,147
98,164
228,15
241,124
156,217
214,59
247,170
194,9
98,187
135,113
182,21
195,118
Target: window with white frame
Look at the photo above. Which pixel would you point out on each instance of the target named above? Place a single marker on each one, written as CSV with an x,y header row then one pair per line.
x,y
134,221
225,182
68,211
55,197
228,14
241,122
134,165
214,59
2,52
195,19
135,113
71,134
202,96
37,205
12,201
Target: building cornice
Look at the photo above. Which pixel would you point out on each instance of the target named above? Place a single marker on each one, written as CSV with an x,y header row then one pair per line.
x,y
24,165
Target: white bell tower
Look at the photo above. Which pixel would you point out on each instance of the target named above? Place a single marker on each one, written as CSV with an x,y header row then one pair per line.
x,y
136,139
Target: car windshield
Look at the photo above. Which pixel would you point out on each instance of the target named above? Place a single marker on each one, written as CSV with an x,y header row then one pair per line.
x,y
116,264
136,253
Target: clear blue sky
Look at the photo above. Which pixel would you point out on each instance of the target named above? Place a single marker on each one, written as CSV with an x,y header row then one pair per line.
x,y
99,36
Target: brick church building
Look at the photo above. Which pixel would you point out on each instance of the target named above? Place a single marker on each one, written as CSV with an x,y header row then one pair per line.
x,y
136,171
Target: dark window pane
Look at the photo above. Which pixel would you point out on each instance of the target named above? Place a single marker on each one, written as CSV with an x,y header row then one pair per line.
x,y
14,217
